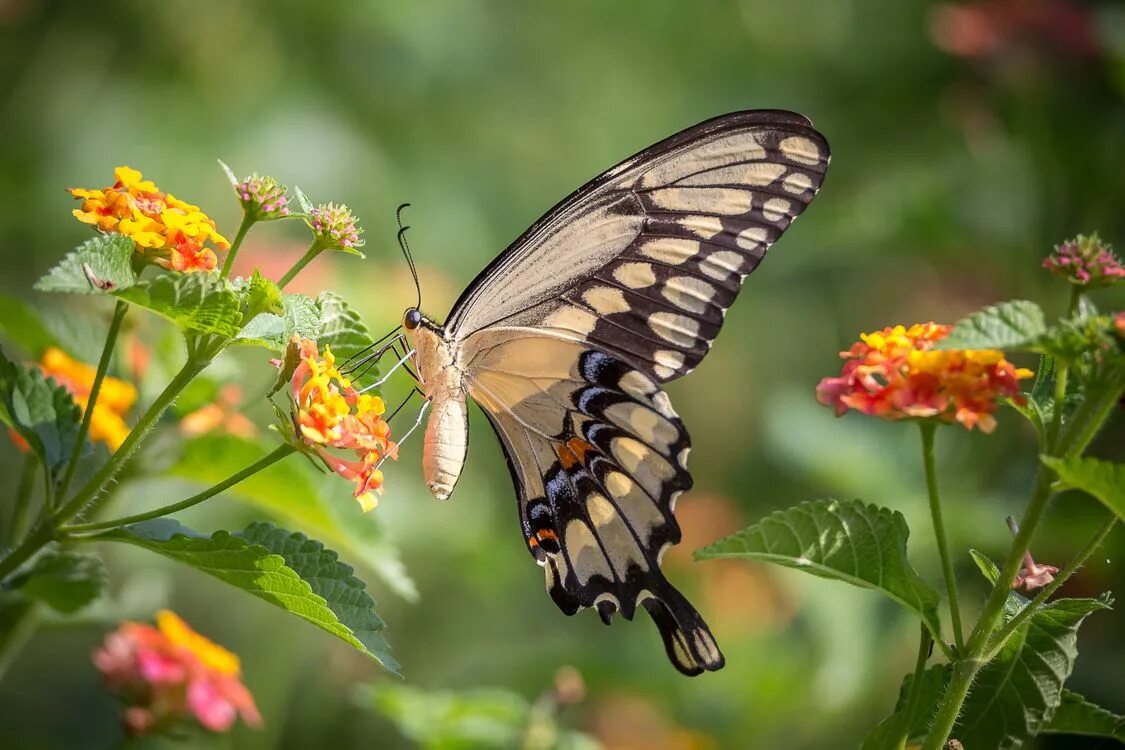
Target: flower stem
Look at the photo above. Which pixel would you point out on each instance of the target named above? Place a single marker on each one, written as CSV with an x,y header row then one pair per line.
x,y
1041,598
22,507
243,228
925,642
928,429
279,453
103,365
315,249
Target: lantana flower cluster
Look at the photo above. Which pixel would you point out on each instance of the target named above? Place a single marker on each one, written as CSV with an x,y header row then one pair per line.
x,y
336,226
263,198
897,374
116,397
174,233
1086,261
170,673
330,414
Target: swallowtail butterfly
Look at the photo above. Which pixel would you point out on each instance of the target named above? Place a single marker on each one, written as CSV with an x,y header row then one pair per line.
x,y
565,340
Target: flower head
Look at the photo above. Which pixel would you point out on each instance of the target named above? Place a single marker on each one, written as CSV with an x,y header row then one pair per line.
x,y
1086,261
262,198
336,226
116,397
171,232
222,414
897,374
169,672
329,415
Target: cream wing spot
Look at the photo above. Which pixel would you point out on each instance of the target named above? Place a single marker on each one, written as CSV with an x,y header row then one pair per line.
x,y
797,183
669,359
635,505
800,149
636,385
584,552
750,238
635,275
713,200
644,423
776,208
689,293
702,226
671,250
571,318
677,329
606,300
619,542
722,264
637,458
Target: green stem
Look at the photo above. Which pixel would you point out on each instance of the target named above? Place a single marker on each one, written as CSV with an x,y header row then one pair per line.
x,y
1086,423
1062,370
315,249
43,533
95,389
928,429
966,668
243,228
924,643
22,508
17,636
279,453
1041,598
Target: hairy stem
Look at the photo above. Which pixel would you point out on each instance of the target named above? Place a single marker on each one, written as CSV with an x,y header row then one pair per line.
x,y
315,249
925,643
243,228
279,453
88,413
928,429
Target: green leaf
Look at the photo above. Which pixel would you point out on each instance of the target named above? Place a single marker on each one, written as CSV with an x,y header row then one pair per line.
x,y
341,327
64,581
288,492
863,545
262,296
200,302
287,570
24,326
1076,715
886,733
1015,602
41,411
301,318
1105,480
99,265
1015,694
302,200
1009,325
481,718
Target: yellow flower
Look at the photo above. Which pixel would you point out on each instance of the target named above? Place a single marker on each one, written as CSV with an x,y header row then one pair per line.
x,y
107,423
210,654
171,231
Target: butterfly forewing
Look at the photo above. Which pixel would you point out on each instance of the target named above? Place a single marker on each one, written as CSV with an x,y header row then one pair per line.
x,y
645,260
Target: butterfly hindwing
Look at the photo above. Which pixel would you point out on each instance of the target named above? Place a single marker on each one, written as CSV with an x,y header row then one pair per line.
x,y
645,260
598,458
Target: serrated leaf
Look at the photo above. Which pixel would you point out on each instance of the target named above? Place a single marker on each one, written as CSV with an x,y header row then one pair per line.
x,y
24,326
100,265
863,545
884,735
64,581
228,172
1015,694
200,302
287,491
331,579
264,571
262,296
301,318
1015,602
1105,480
341,327
41,411
1076,715
1010,325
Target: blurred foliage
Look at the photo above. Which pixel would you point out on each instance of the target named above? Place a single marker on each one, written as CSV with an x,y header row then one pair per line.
x,y
965,144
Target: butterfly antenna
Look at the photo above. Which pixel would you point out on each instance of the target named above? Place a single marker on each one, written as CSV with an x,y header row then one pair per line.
x,y
406,252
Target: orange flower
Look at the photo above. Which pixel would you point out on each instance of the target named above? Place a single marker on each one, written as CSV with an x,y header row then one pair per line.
x,y
222,414
107,424
170,672
330,414
897,374
174,231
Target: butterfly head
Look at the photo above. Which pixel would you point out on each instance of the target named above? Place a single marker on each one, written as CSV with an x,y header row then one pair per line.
x,y
412,318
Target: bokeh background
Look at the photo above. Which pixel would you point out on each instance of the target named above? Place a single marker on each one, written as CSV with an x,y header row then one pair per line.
x,y
967,139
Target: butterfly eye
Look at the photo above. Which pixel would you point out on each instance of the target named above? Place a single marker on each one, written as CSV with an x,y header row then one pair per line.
x,y
412,319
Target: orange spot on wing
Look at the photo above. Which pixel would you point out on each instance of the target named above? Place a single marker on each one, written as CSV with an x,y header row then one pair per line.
x,y
573,452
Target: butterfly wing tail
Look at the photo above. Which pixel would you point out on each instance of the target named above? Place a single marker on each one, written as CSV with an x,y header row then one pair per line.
x,y
687,639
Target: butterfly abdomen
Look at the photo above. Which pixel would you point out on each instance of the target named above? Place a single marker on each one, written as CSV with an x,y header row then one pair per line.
x,y
447,433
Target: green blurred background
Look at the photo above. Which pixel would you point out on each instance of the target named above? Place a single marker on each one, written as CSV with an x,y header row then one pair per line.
x,y
966,141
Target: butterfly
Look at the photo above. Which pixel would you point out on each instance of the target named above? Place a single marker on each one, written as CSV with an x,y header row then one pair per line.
x,y
565,340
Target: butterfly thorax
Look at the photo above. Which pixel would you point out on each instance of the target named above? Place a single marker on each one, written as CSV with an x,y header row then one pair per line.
x,y
438,361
